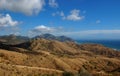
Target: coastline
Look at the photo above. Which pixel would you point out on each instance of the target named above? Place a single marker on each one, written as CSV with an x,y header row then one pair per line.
x,y
114,44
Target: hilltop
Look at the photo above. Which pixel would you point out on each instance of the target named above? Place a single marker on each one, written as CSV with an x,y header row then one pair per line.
x,y
51,57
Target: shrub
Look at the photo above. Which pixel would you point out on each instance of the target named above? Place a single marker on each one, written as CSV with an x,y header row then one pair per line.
x,y
68,73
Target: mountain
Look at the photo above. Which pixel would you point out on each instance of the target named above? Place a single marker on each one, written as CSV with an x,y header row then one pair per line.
x,y
40,57
54,46
52,37
13,39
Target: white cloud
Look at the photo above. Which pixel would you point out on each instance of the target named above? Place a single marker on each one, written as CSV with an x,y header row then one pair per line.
x,y
74,15
6,20
98,21
27,7
53,3
43,29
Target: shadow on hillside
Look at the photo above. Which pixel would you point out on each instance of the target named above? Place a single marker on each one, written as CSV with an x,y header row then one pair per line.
x,y
16,48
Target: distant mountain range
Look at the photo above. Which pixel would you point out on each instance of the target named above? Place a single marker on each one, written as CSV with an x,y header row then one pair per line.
x,y
52,37
14,39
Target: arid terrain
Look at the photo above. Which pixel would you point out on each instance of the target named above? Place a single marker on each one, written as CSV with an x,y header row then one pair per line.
x,y
59,37
41,57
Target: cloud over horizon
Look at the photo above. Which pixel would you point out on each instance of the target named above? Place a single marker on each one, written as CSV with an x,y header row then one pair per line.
x,y
93,34
43,28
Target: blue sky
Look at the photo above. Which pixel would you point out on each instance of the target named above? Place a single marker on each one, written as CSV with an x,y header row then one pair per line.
x,y
79,19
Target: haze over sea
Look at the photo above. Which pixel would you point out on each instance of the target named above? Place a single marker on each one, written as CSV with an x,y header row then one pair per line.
x,y
114,44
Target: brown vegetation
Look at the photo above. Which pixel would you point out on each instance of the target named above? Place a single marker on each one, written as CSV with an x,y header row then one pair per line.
x,y
49,57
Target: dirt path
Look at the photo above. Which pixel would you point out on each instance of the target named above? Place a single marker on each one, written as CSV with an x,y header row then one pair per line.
x,y
29,67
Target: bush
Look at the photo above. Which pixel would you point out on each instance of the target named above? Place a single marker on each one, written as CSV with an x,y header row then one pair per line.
x,y
68,74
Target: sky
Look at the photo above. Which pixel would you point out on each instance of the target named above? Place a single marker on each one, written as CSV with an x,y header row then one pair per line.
x,y
78,19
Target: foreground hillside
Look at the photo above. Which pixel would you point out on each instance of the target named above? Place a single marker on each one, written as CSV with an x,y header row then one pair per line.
x,y
41,57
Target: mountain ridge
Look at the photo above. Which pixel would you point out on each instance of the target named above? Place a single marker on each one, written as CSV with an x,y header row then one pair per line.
x,y
17,39
53,37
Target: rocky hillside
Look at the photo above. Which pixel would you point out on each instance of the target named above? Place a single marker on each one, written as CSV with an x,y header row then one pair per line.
x,y
41,57
53,46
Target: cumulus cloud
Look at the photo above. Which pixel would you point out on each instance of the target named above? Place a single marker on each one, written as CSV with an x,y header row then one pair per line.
x,y
53,3
74,15
27,7
6,20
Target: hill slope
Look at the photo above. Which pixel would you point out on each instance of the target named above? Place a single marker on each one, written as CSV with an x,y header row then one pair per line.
x,y
85,59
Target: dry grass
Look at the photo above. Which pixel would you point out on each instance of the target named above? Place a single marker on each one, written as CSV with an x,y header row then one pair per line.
x,y
54,57
16,70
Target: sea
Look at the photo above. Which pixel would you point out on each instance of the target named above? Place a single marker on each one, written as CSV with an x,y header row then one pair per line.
x,y
114,44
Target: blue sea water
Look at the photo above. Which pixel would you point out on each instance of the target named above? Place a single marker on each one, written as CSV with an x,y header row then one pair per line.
x,y
114,44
